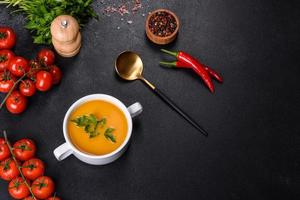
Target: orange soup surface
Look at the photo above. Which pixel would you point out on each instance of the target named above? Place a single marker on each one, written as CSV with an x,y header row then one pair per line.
x,y
98,145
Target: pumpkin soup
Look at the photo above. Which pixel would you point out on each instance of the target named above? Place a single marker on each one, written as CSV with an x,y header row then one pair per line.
x,y
97,127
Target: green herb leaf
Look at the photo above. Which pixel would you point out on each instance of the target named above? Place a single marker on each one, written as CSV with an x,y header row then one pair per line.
x,y
93,119
94,134
102,122
109,134
81,121
89,123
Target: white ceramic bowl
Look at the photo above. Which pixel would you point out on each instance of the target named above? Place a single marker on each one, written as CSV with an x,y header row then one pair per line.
x,y
66,149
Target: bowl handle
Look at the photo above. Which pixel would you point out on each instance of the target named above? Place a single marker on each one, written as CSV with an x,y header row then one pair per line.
x,y
135,109
62,152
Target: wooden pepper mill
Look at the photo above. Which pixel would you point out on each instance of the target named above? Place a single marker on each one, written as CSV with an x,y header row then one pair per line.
x,y
66,37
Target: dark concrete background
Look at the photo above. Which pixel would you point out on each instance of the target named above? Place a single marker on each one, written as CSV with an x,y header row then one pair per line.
x,y
252,151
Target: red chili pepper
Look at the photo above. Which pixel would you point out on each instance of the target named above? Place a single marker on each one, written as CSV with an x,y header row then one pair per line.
x,y
214,74
179,64
187,60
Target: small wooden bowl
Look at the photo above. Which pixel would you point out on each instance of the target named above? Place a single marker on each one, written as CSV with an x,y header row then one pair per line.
x,y
159,39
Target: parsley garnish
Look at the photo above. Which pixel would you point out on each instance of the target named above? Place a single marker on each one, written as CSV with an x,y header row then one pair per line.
x,y
90,124
109,134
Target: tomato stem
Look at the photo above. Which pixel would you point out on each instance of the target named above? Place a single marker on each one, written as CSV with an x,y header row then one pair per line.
x,y
3,35
12,89
18,166
3,58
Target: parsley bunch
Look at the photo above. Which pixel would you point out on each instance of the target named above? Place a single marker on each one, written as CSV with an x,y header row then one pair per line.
x,y
40,14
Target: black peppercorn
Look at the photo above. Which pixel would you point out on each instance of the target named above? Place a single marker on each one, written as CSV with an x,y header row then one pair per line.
x,y
162,24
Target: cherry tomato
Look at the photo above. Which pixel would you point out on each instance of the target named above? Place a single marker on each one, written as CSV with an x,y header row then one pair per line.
x,y
46,56
53,198
7,38
5,57
34,68
24,149
27,88
43,187
9,169
43,81
33,168
56,74
16,103
7,81
18,66
18,189
4,150
29,198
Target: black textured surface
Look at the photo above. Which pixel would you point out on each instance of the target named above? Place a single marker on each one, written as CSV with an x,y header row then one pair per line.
x,y
252,151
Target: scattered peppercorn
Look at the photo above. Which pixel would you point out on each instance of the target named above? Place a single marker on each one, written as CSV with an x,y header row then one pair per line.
x,y
162,24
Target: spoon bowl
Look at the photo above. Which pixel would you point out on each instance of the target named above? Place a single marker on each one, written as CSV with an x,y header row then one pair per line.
x,y
129,66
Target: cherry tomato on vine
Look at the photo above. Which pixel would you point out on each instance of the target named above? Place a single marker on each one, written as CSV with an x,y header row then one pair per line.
x,y
9,169
29,198
43,81
5,57
46,56
18,189
4,150
24,149
34,68
33,168
27,88
56,74
43,187
18,66
7,81
7,38
16,103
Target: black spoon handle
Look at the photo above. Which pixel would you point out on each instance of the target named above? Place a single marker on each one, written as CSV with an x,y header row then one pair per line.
x,y
179,111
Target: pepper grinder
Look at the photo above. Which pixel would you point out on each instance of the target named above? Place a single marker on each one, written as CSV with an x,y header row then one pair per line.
x,y
66,37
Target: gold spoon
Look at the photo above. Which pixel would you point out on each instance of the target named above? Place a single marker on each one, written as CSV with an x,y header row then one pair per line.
x,y
129,66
